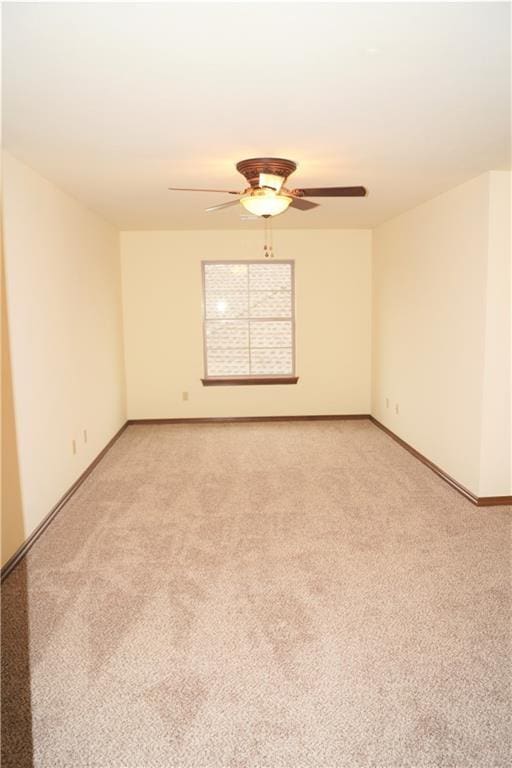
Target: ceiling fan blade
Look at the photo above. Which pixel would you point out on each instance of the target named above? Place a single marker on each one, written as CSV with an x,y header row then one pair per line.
x,y
187,189
222,205
302,205
331,192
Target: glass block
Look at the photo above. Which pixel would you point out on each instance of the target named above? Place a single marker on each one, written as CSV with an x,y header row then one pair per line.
x,y
271,333
225,277
271,362
228,362
219,304
227,334
270,277
270,304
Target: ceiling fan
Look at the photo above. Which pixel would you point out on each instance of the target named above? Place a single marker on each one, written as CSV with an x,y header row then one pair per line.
x,y
267,195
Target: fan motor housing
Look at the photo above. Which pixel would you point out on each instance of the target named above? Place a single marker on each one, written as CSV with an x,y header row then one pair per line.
x,y
277,166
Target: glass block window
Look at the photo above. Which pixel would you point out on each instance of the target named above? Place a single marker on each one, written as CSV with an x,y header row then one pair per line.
x,y
248,319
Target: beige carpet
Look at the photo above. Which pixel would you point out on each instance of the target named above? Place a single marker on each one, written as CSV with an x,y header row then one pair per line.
x,y
261,596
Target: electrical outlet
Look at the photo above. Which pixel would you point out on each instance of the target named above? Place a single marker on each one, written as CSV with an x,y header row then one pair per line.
x,y
397,409
85,435
73,446
184,395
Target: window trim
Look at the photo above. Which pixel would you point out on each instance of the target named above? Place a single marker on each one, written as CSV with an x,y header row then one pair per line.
x,y
216,381
222,381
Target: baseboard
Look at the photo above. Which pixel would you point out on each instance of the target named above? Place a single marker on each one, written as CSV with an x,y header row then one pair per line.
x,y
245,419
478,501
494,501
43,525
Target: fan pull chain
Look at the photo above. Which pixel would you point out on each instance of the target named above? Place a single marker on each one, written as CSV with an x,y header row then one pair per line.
x,y
268,248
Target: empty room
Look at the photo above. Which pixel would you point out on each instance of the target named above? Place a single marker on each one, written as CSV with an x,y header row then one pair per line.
x,y
256,385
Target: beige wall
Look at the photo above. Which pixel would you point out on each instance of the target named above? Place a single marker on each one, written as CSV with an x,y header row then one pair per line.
x,y
495,452
438,303
13,526
65,341
161,274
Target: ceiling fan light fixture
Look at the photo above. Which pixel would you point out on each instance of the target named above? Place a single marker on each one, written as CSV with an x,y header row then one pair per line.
x,y
265,202
271,181
265,194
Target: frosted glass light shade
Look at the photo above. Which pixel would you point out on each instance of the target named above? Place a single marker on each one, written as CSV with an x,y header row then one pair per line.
x,y
265,202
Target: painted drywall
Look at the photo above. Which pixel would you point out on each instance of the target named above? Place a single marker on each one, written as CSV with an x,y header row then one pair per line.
x,y
162,305
64,326
12,524
495,451
437,273
115,100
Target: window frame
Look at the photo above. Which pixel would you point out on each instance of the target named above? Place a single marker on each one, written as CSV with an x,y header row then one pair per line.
x,y
248,379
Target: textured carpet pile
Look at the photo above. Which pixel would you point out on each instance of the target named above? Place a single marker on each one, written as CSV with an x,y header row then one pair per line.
x,y
271,595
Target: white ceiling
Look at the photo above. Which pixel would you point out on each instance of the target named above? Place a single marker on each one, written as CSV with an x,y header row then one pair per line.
x,y
116,102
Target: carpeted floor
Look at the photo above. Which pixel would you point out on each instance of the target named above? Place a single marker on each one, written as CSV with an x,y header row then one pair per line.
x,y
299,595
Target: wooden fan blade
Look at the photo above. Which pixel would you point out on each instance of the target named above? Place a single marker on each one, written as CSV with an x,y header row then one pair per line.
x,y
331,192
302,205
223,205
187,189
